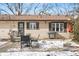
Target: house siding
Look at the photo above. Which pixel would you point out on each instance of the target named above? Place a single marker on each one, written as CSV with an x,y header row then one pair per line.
x,y
43,30
5,26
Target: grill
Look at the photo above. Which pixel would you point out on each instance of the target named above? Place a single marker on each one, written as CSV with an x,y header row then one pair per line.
x,y
25,41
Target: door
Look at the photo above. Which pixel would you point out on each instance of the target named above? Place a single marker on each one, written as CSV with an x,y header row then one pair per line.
x,y
20,28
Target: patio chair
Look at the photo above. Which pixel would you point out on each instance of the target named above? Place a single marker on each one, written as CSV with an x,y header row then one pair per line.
x,y
34,42
14,36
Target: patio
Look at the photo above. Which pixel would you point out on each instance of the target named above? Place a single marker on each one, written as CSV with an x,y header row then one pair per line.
x,y
41,45
47,48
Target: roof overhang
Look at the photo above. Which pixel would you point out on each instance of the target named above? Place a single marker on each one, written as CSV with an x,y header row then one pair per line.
x,y
34,18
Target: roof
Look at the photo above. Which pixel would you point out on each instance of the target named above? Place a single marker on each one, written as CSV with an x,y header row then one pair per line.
x,y
33,17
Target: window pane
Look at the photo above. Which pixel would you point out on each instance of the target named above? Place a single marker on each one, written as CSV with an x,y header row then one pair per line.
x,y
28,25
65,26
53,27
32,25
57,27
61,27
37,25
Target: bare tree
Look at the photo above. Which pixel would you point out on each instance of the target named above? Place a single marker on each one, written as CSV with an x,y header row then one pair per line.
x,y
37,9
17,8
56,9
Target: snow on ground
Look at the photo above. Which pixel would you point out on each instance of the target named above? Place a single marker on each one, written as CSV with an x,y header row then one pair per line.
x,y
13,49
44,44
74,44
2,43
54,53
51,43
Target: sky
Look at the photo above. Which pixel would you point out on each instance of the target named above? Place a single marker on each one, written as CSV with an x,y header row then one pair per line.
x,y
53,8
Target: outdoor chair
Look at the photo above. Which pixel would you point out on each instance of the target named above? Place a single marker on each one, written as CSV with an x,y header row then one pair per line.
x,y
14,36
34,42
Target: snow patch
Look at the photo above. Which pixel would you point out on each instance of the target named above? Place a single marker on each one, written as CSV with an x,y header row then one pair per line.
x,y
14,49
2,43
51,44
54,53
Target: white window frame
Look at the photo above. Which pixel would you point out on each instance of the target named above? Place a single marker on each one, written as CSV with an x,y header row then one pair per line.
x,y
58,26
63,27
32,25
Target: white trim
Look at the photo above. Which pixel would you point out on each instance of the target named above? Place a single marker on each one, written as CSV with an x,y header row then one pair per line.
x,y
58,26
55,27
32,25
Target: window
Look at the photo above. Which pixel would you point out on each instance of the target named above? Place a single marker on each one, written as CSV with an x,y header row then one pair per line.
x,y
53,26
61,27
32,25
57,27
20,28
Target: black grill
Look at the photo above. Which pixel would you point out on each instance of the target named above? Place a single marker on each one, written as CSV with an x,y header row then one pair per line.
x,y
25,41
